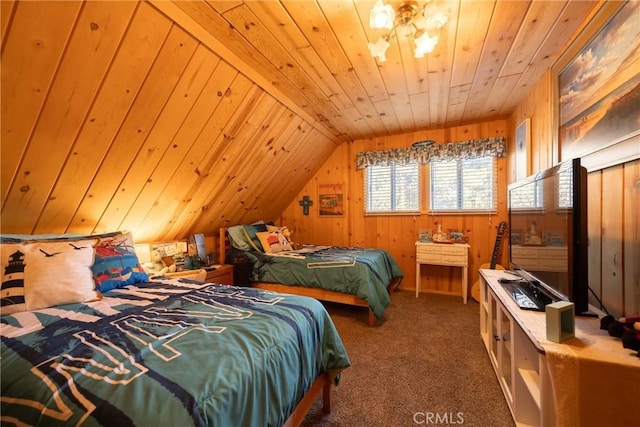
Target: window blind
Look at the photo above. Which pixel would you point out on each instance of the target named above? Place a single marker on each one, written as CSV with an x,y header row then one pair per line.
x,y
394,188
463,185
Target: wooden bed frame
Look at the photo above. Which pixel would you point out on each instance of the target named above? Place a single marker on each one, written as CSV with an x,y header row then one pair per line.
x,y
321,384
317,293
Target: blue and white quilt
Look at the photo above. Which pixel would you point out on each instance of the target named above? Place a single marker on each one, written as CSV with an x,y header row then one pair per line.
x,y
170,353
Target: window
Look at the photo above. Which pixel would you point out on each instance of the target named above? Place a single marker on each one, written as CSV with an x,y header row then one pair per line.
x,y
463,185
394,188
527,197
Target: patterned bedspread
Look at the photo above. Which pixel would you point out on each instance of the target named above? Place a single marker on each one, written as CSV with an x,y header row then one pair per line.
x,y
357,271
172,353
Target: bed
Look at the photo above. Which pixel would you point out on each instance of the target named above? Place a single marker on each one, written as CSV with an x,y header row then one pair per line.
x,y
354,276
167,351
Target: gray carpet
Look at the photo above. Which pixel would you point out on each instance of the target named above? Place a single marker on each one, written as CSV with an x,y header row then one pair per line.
x,y
424,365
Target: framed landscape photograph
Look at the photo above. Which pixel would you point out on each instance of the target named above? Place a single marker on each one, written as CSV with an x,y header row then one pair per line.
x,y
331,199
596,88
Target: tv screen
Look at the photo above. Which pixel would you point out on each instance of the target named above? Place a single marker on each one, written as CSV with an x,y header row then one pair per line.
x,y
548,231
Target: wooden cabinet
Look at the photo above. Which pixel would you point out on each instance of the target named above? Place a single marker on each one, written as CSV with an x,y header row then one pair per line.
x,y
588,380
518,362
222,274
456,255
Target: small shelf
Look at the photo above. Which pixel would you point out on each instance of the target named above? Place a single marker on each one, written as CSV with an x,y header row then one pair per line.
x,y
531,380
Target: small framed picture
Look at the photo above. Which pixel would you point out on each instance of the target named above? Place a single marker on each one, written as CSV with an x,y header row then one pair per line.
x,y
552,238
516,237
425,235
457,236
331,197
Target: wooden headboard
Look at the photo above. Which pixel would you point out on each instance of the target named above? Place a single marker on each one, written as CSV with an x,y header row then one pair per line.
x,y
224,245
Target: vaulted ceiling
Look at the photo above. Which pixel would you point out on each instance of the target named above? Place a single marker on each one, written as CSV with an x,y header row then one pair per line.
x,y
168,118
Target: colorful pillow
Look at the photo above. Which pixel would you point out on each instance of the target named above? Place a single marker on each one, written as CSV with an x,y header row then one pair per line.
x,y
251,234
244,237
116,264
38,275
274,241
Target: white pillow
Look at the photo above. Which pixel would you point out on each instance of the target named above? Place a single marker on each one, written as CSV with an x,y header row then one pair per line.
x,y
37,275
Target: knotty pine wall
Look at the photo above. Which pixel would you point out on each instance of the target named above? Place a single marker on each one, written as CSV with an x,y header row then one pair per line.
x,y
398,233
613,209
613,203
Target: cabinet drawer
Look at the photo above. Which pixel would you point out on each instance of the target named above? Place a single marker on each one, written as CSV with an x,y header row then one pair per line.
x,y
454,250
222,274
454,259
430,249
553,253
552,264
524,253
428,257
526,263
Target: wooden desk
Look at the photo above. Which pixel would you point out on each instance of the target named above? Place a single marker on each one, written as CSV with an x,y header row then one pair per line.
x,y
454,255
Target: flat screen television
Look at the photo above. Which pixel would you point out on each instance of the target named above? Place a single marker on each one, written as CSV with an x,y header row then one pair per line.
x,y
548,232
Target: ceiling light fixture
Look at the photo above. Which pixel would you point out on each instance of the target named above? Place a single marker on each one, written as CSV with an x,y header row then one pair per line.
x,y
416,21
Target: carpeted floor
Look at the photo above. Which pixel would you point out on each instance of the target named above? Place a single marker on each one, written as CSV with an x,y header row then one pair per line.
x,y
424,365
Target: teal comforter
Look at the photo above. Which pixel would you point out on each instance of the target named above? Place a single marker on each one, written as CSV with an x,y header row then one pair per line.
x,y
357,271
173,353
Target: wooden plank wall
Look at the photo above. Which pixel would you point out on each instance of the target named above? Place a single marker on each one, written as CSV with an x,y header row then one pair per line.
x,y
114,117
398,233
613,209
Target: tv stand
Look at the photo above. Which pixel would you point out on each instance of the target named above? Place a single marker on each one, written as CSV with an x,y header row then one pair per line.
x,y
588,380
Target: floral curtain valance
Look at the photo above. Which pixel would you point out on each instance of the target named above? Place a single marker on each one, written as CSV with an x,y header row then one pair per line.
x,y
437,152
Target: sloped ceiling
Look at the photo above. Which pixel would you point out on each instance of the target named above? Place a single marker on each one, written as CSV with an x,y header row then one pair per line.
x,y
167,118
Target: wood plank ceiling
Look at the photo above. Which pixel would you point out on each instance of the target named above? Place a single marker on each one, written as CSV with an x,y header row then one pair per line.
x,y
168,118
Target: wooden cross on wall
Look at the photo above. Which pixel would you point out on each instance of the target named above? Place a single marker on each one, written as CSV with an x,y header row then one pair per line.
x,y
305,203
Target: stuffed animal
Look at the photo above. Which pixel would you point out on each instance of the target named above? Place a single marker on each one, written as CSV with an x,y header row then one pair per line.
x,y
157,267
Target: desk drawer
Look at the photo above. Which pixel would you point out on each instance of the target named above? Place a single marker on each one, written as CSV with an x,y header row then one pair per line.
x,y
454,250
431,249
454,259
428,257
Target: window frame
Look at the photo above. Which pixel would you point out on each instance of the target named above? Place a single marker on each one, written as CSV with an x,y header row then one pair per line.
x,y
366,197
459,210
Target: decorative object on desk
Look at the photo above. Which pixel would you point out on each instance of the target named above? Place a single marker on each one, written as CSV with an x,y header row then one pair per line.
x,y
552,238
502,229
305,203
211,258
331,198
439,236
456,236
516,237
192,262
560,321
172,252
532,237
201,248
425,235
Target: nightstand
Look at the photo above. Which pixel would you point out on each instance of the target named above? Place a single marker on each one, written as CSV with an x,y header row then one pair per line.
x,y
455,255
222,274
